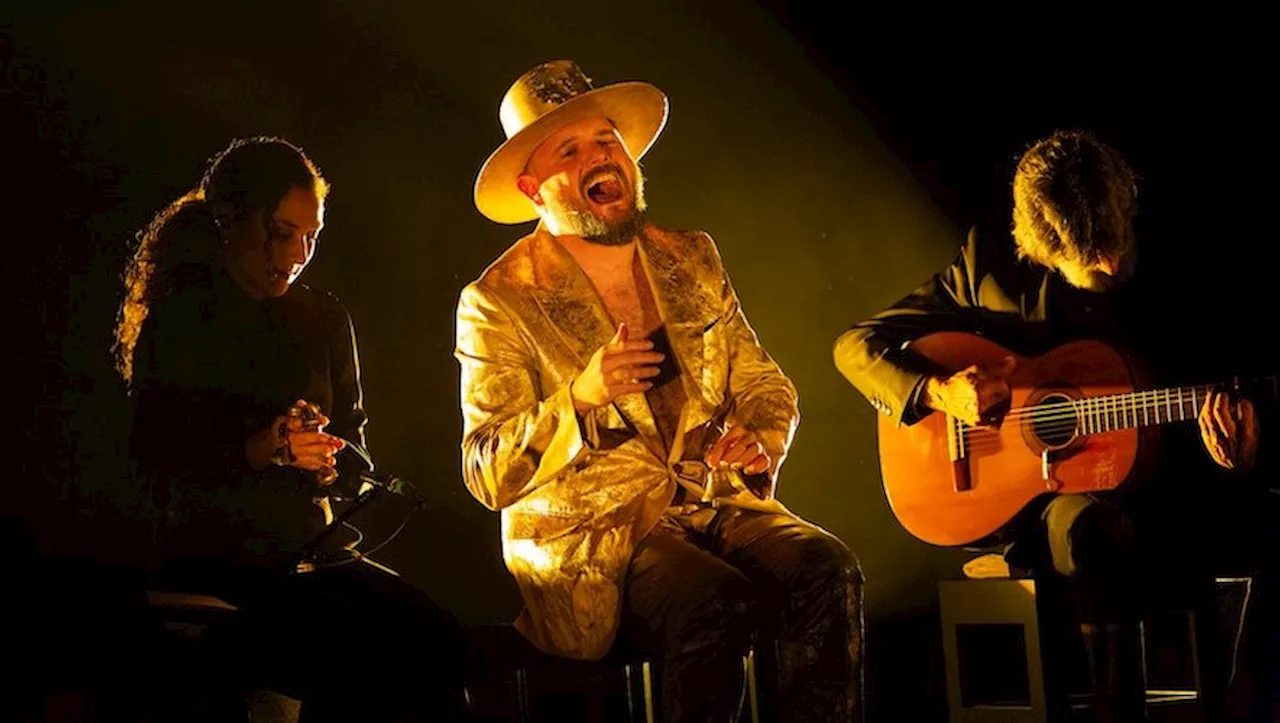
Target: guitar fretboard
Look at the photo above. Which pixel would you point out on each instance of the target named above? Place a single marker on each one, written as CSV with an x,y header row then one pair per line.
x,y
1108,413
1138,409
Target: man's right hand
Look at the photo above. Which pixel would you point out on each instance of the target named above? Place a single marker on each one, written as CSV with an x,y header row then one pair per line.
x,y
619,367
970,394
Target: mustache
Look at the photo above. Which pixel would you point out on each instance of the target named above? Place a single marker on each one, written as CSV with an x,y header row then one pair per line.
x,y
601,170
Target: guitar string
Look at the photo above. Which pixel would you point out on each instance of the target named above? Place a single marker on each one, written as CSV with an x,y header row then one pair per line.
x,y
1107,404
1108,413
1157,398
1106,418
1112,421
1152,397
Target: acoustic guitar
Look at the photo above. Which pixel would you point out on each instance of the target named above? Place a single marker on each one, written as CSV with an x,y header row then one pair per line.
x,y
1074,423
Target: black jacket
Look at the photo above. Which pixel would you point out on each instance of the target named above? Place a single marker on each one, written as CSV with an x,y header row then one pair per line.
x,y
1176,328
213,367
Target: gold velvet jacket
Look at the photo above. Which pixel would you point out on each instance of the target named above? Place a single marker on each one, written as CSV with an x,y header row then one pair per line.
x,y
577,493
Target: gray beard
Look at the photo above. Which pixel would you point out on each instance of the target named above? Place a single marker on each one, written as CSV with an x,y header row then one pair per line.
x,y
586,224
583,222
616,234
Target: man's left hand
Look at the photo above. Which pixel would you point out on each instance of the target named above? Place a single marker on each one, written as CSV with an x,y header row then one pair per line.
x,y
1230,431
740,449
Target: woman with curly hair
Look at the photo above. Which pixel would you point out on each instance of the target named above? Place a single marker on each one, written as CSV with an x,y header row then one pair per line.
x,y
224,351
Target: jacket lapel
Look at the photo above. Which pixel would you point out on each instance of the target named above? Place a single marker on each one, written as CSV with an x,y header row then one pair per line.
x,y
687,309
575,309
568,299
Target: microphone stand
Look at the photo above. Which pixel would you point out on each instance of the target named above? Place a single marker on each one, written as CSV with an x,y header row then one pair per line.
x,y
374,487
309,550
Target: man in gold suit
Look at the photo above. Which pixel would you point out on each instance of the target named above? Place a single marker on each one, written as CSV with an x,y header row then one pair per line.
x,y
622,414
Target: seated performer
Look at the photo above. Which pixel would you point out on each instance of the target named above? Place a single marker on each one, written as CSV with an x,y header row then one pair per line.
x,y
225,352
621,413
1070,272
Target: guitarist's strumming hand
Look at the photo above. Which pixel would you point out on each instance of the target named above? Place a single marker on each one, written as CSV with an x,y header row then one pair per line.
x,y
1229,429
971,394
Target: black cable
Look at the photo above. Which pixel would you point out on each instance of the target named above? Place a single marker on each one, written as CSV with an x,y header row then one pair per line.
x,y
357,555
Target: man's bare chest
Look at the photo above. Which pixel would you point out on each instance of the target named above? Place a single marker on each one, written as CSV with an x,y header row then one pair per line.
x,y
627,301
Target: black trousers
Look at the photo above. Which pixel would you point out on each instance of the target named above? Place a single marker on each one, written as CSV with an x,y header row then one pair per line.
x,y
706,584
352,642
1118,557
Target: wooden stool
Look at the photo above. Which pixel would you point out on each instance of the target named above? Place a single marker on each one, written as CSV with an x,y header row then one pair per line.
x,y
1000,620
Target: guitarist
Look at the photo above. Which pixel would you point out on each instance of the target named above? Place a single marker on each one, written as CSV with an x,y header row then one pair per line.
x,y
1070,272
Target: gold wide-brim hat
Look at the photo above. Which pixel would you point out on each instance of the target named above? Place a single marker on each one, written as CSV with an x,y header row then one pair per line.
x,y
541,102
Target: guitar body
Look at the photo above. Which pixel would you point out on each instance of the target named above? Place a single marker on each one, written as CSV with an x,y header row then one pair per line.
x,y
947,502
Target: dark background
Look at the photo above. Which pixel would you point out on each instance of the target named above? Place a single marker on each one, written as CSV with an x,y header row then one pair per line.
x,y
835,156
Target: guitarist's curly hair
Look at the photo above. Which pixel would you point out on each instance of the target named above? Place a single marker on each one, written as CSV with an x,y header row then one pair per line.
x,y
1074,197
249,175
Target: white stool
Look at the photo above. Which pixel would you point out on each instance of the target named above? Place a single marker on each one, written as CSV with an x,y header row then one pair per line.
x,y
1006,611
983,615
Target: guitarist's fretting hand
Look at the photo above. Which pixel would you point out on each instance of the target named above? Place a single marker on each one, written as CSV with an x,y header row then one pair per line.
x,y
970,394
1229,429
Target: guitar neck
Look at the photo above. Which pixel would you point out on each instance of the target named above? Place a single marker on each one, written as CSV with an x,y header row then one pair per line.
x,y
1140,409
1146,408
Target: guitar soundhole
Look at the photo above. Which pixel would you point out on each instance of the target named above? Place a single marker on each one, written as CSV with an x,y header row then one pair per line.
x,y
1054,420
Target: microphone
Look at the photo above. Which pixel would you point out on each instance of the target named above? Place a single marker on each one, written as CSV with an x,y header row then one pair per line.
x,y
386,482
396,486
